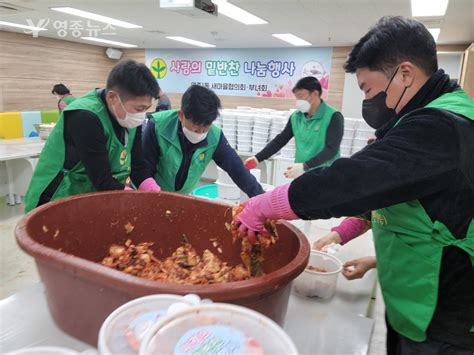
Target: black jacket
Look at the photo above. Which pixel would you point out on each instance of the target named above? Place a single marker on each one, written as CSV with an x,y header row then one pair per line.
x,y
428,156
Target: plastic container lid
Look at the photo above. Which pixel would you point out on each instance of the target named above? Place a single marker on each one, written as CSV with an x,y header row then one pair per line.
x,y
44,350
207,191
217,329
125,328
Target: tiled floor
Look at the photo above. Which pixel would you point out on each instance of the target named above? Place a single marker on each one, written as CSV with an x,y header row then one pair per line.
x,y
18,271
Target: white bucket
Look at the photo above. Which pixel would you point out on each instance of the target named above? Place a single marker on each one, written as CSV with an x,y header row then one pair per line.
x,y
236,329
223,177
228,191
319,284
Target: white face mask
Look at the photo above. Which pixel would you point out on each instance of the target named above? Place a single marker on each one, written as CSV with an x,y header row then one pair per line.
x,y
303,105
193,137
132,119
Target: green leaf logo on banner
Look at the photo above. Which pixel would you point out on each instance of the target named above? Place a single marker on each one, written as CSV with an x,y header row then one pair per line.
x,y
158,68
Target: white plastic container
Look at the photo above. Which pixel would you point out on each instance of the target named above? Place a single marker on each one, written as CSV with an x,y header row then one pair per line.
x,y
364,133
256,173
345,151
217,329
223,177
260,142
44,350
125,328
244,148
319,284
228,191
359,143
262,129
261,135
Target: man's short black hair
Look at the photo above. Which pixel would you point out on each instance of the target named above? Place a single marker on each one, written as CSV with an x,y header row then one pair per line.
x,y
391,41
200,105
131,79
60,89
309,83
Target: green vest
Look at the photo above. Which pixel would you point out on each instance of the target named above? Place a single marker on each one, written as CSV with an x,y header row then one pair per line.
x,y
171,154
409,248
69,99
310,134
76,181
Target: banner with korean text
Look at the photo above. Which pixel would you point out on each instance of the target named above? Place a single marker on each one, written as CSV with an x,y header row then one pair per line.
x,y
240,72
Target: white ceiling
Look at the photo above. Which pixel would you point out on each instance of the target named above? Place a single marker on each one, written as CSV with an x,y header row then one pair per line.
x,y
321,22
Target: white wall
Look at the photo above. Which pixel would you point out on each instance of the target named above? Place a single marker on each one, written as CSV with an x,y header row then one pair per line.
x,y
352,97
451,63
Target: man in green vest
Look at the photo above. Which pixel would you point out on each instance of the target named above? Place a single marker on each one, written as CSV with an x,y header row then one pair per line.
x,y
96,145
179,144
417,179
63,95
316,126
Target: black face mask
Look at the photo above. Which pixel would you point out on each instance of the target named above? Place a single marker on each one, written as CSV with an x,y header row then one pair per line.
x,y
375,111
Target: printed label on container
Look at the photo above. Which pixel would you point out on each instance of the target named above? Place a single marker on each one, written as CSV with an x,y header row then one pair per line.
x,y
139,326
215,339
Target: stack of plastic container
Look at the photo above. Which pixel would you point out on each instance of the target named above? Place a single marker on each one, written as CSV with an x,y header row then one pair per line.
x,y
278,123
350,126
289,150
229,127
244,131
362,134
218,121
261,130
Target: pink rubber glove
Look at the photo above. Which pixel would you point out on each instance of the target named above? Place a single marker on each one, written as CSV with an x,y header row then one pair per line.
x,y
271,205
127,188
149,185
351,228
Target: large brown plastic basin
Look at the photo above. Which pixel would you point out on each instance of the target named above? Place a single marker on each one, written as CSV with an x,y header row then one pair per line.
x,y
68,237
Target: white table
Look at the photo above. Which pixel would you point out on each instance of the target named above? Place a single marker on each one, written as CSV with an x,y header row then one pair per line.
x,y
15,149
337,326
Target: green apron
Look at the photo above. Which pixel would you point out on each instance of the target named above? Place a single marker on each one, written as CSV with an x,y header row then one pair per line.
x,y
171,154
76,181
310,134
409,248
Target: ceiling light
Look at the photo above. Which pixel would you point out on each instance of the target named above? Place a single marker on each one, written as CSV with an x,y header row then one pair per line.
x,y
422,8
95,17
25,27
236,13
435,33
291,38
106,41
190,41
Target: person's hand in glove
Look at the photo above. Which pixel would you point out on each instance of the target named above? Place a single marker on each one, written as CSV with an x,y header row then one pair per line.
x,y
149,185
270,205
332,237
251,163
356,269
294,171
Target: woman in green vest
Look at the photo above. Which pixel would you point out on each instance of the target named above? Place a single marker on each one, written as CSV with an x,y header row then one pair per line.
x,y
317,127
179,144
96,144
417,182
63,95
